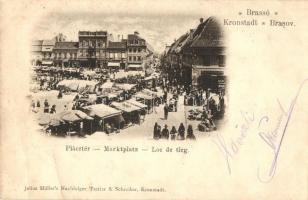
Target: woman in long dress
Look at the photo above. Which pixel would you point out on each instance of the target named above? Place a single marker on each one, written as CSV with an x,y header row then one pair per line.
x,y
181,132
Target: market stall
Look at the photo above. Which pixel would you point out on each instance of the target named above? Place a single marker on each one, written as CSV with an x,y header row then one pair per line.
x,y
104,117
78,85
145,99
131,113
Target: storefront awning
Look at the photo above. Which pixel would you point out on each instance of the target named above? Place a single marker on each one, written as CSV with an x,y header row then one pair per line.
x,y
134,66
47,62
113,64
211,68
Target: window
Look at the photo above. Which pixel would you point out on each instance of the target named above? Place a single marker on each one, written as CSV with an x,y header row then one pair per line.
x,y
134,50
129,58
123,55
134,58
139,50
139,58
111,55
221,61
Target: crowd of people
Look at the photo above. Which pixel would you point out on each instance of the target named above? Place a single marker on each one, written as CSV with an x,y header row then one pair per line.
x,y
36,106
173,134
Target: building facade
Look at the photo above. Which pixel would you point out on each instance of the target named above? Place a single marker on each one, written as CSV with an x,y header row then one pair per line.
x,y
65,54
136,51
117,54
47,50
36,52
92,48
198,57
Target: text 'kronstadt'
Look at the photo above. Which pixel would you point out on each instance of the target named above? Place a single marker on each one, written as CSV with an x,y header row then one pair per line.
x,y
255,22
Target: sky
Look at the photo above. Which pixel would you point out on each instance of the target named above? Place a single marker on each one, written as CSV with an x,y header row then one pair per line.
x,y
158,30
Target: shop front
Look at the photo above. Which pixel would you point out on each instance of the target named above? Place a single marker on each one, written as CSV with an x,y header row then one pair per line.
x,y
209,77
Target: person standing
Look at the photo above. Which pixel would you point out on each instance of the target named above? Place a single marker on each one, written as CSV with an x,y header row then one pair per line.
x,y
158,131
60,95
190,133
181,132
46,106
81,133
165,96
173,133
155,132
166,109
165,133
53,109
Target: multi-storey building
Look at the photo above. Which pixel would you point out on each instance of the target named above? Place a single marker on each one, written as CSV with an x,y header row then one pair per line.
x,y
92,48
136,50
36,52
199,57
47,49
65,54
116,54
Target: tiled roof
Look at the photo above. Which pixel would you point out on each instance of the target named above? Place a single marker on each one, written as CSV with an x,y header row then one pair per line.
x,y
66,45
133,36
208,34
176,44
117,45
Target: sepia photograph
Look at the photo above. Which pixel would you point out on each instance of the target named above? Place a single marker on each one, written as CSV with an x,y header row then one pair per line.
x,y
128,76
153,100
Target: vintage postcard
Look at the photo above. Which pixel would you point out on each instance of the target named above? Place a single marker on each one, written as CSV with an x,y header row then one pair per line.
x,y
154,99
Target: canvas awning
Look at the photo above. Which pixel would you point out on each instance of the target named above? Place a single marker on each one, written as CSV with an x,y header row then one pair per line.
x,y
78,85
149,78
101,111
73,116
149,92
107,85
113,64
134,66
143,96
47,62
125,107
136,103
126,86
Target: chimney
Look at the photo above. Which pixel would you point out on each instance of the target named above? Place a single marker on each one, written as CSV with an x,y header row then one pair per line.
x,y
136,33
201,20
118,38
